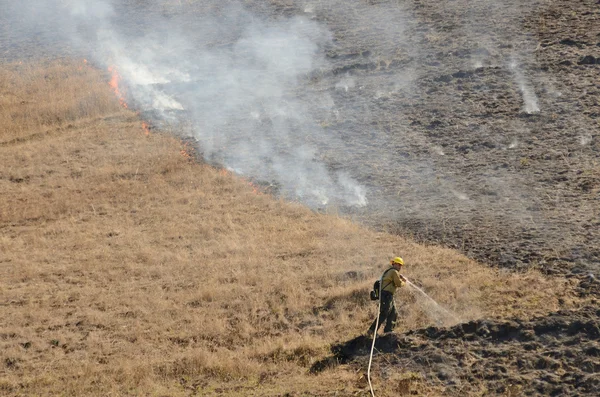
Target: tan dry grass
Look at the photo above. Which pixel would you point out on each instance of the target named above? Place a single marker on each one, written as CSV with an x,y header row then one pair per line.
x,y
129,269
34,98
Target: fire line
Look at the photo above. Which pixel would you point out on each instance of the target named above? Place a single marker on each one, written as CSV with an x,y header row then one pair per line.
x,y
114,84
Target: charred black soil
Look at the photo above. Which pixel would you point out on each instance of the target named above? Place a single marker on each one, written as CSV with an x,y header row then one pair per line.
x,y
547,356
477,127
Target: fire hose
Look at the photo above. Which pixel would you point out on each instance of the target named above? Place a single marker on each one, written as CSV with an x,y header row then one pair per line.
x,y
373,344
374,337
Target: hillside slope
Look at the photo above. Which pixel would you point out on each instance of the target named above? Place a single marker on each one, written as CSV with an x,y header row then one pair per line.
x,y
129,268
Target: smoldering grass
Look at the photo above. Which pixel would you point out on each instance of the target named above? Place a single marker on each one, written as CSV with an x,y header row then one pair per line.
x,y
530,99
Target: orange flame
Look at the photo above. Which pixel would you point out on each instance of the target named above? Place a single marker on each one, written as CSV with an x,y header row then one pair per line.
x,y
145,127
255,188
187,150
114,84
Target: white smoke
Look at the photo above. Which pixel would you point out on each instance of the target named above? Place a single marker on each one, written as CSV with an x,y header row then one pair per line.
x,y
490,23
346,83
529,98
239,78
91,9
279,101
585,139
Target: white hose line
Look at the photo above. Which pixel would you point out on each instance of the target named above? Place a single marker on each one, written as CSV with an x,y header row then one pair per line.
x,y
373,344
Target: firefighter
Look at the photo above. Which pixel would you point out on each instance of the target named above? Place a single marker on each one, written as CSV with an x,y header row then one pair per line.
x,y
390,281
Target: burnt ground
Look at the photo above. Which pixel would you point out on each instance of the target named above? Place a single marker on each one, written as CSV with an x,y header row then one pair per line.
x,y
456,157
442,118
548,356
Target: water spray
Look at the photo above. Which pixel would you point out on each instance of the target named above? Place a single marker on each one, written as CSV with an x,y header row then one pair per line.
x,y
430,299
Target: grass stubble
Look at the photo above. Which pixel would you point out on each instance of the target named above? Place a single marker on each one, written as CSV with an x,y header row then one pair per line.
x,y
127,268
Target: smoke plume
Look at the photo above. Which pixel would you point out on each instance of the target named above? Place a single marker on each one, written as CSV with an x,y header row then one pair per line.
x,y
529,98
240,79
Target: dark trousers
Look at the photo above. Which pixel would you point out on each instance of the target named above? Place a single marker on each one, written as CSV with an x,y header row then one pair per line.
x,y
387,313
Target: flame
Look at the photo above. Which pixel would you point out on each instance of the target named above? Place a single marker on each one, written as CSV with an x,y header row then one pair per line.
x,y
187,150
81,67
255,188
114,84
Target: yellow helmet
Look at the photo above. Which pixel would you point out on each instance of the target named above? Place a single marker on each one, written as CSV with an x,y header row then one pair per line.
x,y
397,261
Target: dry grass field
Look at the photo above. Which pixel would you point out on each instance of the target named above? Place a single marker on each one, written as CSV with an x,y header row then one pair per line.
x,y
129,268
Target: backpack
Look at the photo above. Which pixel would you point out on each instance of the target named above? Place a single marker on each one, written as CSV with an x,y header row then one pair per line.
x,y
374,294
